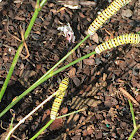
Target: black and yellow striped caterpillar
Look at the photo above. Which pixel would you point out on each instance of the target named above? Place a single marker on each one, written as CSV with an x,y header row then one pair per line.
x,y
59,97
119,40
106,14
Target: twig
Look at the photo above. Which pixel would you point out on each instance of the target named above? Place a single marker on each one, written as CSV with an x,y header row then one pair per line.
x,y
9,32
129,96
7,46
22,36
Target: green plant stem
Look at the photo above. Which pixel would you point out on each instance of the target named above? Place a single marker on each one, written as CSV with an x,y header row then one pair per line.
x,y
11,70
70,113
48,124
72,63
42,3
41,80
132,112
133,132
41,130
37,10
38,1
11,125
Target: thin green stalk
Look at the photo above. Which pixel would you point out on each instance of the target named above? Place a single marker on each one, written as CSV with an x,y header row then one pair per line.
x,y
11,125
72,63
51,121
27,32
41,80
133,132
37,10
42,3
41,130
70,113
38,2
133,116
11,70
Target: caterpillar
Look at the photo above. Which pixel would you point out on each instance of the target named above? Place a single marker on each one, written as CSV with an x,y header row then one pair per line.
x,y
59,97
119,40
106,14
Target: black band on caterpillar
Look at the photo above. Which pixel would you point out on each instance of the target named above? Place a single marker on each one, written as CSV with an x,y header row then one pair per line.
x,y
106,14
59,97
117,41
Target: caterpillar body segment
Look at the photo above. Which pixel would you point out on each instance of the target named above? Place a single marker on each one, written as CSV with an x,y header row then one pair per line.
x,y
56,104
59,97
106,14
117,41
64,84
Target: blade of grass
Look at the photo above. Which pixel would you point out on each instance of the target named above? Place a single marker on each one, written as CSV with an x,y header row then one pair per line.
x,y
38,1
37,10
51,121
42,2
70,113
132,112
11,124
134,121
11,70
41,130
41,80
133,132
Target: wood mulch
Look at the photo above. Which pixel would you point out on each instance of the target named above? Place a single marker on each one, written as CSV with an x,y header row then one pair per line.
x,y
96,83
